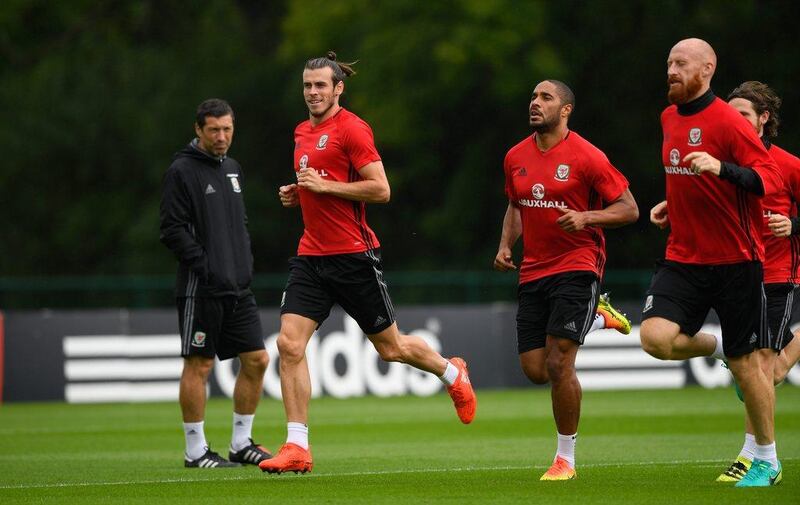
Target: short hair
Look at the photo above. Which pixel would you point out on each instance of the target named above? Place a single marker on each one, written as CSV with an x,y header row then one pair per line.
x,y
340,69
564,93
214,107
764,99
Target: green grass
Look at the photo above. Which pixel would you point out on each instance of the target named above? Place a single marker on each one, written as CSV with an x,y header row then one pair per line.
x,y
634,447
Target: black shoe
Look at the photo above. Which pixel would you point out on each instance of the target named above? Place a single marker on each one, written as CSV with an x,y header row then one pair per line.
x,y
253,454
209,460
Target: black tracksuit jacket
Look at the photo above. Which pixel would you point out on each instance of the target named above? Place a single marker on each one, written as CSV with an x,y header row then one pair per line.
x,y
204,223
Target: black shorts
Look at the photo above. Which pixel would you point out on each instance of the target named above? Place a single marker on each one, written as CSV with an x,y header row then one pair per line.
x,y
561,305
684,294
780,301
224,326
354,281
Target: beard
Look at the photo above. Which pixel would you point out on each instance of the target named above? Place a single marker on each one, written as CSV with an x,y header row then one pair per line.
x,y
546,126
683,93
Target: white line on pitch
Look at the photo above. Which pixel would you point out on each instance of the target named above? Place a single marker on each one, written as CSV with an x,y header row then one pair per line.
x,y
702,462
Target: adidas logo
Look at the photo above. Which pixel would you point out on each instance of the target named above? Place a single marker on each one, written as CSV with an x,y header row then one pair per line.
x,y
210,189
522,172
379,321
571,326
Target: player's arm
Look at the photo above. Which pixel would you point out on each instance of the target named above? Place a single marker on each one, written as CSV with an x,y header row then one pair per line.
x,y
372,188
512,230
176,223
744,177
288,195
618,213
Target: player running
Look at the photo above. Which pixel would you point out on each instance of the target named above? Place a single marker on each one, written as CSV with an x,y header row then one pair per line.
x,y
759,105
338,260
561,192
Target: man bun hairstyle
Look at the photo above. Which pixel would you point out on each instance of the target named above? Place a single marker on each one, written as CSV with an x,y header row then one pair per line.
x,y
214,107
340,69
764,99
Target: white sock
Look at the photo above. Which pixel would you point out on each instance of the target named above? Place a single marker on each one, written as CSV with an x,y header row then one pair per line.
x,y
297,433
450,374
767,453
196,444
749,448
718,353
599,322
566,448
242,431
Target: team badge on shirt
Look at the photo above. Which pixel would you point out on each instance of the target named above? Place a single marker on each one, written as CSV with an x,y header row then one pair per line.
x,y
235,182
323,141
538,191
695,137
303,161
562,172
674,157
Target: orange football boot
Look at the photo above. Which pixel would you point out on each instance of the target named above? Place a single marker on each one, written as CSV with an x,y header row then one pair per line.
x,y
462,394
290,458
560,470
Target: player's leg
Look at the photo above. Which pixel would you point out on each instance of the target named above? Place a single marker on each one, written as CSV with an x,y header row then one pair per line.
x,y
787,358
305,305
674,310
573,300
357,284
745,331
199,321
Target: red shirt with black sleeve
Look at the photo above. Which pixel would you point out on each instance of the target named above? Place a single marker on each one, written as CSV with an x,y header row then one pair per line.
x,y
575,175
782,253
337,148
712,221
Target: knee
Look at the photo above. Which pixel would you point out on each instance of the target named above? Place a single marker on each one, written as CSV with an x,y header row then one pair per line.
x,y
557,366
654,342
536,374
291,350
391,352
255,364
197,367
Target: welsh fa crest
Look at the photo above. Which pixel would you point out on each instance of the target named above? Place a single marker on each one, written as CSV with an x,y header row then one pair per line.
x,y
323,141
538,191
674,157
303,163
562,172
695,137
199,339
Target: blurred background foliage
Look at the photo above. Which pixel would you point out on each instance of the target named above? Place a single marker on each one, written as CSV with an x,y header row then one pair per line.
x,y
99,94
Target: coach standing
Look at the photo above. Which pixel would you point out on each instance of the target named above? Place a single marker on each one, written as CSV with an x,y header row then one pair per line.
x,y
203,222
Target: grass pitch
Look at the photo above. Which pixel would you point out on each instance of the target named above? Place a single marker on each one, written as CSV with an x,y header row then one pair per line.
x,y
634,447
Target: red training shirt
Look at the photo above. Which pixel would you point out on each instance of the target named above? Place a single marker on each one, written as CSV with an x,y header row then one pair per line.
x,y
573,174
337,148
782,253
712,221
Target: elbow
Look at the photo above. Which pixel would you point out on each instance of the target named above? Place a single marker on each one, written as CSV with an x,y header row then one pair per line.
x,y
633,215
384,195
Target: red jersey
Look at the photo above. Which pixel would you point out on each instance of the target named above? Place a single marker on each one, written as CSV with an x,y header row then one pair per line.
x,y
712,221
337,148
575,175
782,254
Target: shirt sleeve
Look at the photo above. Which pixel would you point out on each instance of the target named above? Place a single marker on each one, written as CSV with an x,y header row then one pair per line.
x,y
359,144
176,223
605,178
508,188
748,151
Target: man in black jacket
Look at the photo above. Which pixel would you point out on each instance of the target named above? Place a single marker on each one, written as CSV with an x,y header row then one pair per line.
x,y
203,222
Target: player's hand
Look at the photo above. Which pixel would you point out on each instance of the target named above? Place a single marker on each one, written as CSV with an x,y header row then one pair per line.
x,y
308,178
572,220
659,215
288,195
703,162
503,261
780,226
